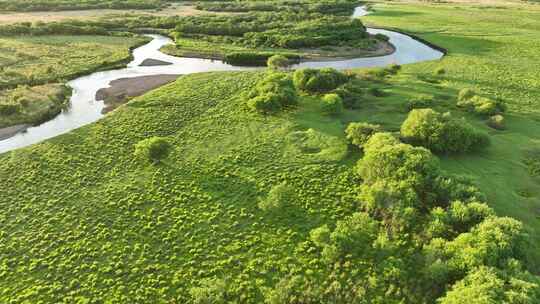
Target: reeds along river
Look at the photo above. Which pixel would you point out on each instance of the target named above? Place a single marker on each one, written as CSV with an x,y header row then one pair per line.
x,y
85,109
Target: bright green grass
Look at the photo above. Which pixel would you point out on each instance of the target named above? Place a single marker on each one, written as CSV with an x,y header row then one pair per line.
x,y
496,51
81,213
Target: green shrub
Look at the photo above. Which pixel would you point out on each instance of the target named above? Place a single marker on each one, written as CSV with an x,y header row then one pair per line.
x,y
358,133
318,81
332,104
479,105
277,62
496,122
257,58
350,94
440,71
440,132
419,102
279,197
9,109
153,149
272,93
465,94
376,92
210,291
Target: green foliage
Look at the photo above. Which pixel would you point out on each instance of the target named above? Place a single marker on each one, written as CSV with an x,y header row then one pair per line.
x,y
352,236
62,5
497,122
440,132
351,94
358,133
272,93
487,285
480,105
280,197
318,81
153,149
465,94
277,62
210,291
332,104
420,102
257,58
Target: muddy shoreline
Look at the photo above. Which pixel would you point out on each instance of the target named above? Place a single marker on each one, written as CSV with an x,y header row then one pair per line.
x,y
8,132
123,89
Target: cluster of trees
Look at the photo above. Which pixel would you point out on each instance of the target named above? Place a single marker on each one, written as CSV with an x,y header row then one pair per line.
x,y
258,58
314,32
332,7
441,132
418,236
63,5
282,29
273,93
51,28
319,80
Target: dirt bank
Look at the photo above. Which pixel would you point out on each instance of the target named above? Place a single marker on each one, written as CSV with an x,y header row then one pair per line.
x,y
121,90
10,131
154,62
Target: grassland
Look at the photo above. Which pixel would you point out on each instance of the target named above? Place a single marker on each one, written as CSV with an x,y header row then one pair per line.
x,y
85,221
33,70
498,61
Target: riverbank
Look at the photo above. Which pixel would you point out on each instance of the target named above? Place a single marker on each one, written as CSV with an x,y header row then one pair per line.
x,y
123,89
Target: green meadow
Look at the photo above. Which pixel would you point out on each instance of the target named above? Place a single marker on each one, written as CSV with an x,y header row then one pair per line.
x,y
261,202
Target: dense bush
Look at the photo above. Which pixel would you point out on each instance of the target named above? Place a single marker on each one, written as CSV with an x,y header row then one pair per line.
x,y
154,149
351,94
441,132
9,109
52,28
420,102
277,62
479,105
256,58
318,81
496,122
332,104
63,5
352,236
358,133
272,93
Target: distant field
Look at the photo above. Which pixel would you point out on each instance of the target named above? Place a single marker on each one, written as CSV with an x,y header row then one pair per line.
x,y
45,16
32,61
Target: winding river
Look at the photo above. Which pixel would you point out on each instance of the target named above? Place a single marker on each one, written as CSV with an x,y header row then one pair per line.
x,y
85,109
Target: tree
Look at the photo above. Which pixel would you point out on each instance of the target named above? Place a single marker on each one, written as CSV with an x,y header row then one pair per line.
x,y
332,104
441,132
318,81
358,133
278,62
153,149
210,291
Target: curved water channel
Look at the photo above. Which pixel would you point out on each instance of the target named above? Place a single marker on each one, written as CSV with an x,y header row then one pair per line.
x,y
85,109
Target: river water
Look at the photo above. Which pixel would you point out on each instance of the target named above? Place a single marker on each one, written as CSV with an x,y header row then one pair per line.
x,y
85,109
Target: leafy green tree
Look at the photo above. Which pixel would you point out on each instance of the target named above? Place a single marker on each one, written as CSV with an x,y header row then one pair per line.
x,y
318,81
440,132
210,291
278,62
358,133
272,93
154,149
332,104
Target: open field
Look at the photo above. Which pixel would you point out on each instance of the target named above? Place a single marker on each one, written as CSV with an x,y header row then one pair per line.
x,y
41,64
252,187
96,14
